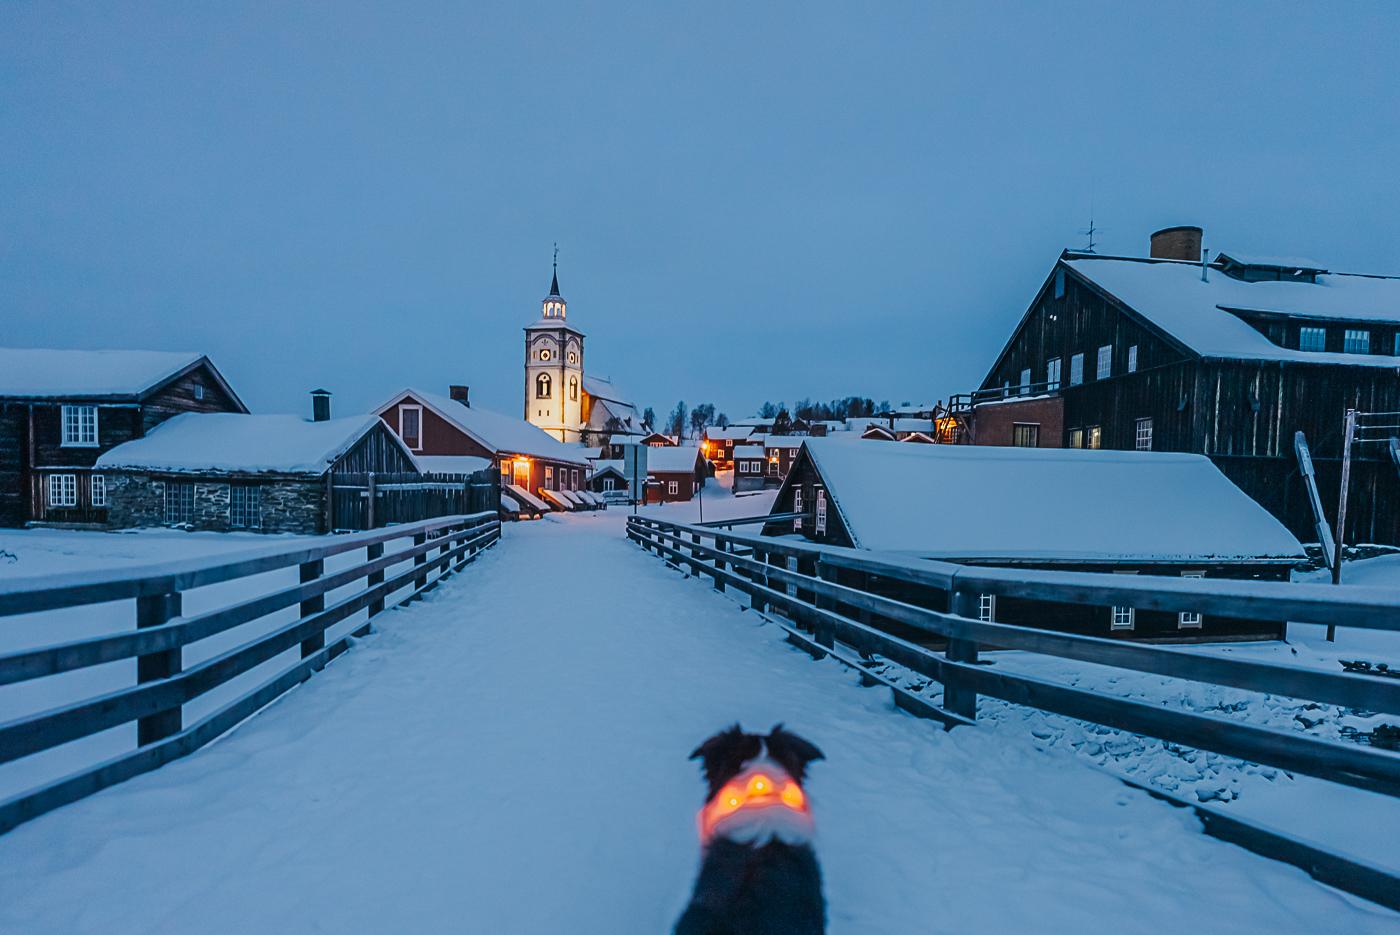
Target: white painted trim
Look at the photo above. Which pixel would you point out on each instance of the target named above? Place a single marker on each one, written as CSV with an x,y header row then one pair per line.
x,y
418,407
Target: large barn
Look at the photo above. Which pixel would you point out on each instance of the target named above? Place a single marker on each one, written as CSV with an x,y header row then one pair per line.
x,y
1227,360
1124,512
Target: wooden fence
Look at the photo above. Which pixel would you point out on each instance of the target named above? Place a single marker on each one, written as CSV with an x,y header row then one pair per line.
x,y
371,501
432,550
830,596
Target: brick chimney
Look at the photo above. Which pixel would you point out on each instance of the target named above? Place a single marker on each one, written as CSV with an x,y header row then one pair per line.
x,y
320,405
1177,243
460,394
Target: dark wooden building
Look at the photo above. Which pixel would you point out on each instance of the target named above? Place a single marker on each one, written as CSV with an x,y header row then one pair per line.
x,y
1123,512
1227,360
252,473
674,473
60,410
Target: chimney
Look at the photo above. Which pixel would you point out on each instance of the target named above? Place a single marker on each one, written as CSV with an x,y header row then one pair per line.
x,y
320,405
460,394
1177,243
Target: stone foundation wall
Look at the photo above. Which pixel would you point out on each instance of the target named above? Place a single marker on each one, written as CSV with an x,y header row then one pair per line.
x,y
286,505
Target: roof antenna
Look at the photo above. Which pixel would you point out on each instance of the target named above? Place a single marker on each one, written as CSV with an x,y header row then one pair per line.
x,y
1091,230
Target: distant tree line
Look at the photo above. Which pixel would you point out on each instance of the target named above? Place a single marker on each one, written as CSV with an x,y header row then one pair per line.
x,y
691,421
849,407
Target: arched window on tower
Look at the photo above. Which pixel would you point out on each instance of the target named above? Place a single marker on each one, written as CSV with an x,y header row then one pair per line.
x,y
573,388
542,388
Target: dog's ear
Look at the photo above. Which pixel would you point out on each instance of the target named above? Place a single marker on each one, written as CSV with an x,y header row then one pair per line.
x,y
725,753
792,752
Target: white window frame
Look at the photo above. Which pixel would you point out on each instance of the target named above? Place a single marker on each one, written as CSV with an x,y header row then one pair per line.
x,y
1356,336
773,464
1076,370
1142,434
1025,381
987,608
97,490
1122,618
1312,331
797,507
1189,619
62,490
549,477
573,478
165,496
405,407
1104,367
249,517
1052,373
821,512
76,430
1132,358
673,488
608,484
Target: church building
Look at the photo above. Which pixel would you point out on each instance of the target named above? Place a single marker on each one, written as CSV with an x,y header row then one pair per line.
x,y
559,399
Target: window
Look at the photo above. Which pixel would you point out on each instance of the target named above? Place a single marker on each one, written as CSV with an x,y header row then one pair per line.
x,y
1356,341
797,507
1189,620
773,465
245,506
1076,370
987,607
1025,435
1105,367
573,478
1397,344
179,503
1052,374
542,387
97,488
1142,435
199,391
80,425
573,388
63,490
1025,381
520,473
549,478
1122,618
1132,358
673,487
411,426
1060,283
573,358
821,512
1312,339
1076,438
608,484
1093,437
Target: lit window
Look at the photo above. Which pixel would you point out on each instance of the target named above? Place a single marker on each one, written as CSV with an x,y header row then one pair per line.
x,y
1076,438
548,478
1105,362
1026,381
63,490
1076,370
573,358
1025,435
1132,358
542,386
1094,438
573,388
1142,435
80,425
1356,341
573,478
179,503
245,506
987,607
97,486
1189,620
1052,374
1312,339
673,487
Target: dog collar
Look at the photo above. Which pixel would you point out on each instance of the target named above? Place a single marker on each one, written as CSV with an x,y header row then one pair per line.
x,y
760,800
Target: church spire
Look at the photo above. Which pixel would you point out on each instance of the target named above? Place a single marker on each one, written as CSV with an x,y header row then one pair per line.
x,y
554,284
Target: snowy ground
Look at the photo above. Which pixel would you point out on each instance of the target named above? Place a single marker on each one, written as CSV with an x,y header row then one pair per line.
x,y
510,756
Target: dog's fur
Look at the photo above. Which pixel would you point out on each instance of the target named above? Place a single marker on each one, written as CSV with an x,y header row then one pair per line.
x,y
771,884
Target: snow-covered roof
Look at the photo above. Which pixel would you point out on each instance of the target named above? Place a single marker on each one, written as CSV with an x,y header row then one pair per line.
x,y
239,443
748,451
761,422
672,458
603,466
451,464
1172,296
540,324
604,389
47,372
1298,263
729,432
974,502
904,424
784,441
499,433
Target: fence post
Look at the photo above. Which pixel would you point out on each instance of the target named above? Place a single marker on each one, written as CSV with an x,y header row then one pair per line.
x,y
826,630
756,601
152,610
721,546
419,581
372,551
370,495
695,554
957,696
316,642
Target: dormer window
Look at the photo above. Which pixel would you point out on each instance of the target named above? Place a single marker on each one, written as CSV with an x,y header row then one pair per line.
x,y
1312,339
1356,341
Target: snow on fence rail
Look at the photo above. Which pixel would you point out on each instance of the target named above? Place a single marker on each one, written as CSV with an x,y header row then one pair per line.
x,y
829,595
164,686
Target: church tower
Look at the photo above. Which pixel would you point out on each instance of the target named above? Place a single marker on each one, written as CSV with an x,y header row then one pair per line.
x,y
554,368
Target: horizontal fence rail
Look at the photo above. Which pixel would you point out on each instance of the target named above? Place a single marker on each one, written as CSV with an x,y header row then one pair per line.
x,y
424,553
827,592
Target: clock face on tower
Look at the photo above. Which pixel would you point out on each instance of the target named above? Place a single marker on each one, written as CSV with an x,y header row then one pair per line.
x,y
546,354
573,358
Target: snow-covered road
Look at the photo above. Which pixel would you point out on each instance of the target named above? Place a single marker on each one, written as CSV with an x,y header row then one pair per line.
x,y
509,756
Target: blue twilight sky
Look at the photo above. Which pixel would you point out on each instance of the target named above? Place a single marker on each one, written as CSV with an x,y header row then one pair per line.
x,y
752,201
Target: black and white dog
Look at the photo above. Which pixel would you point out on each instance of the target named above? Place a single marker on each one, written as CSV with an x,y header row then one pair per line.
x,y
758,873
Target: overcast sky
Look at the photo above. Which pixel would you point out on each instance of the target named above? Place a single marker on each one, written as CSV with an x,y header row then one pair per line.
x,y
752,201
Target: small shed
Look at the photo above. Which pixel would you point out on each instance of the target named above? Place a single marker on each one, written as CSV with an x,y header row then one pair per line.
x,y
1125,512
674,473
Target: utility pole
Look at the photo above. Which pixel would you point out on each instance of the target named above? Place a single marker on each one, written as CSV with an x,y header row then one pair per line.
x,y
1348,433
